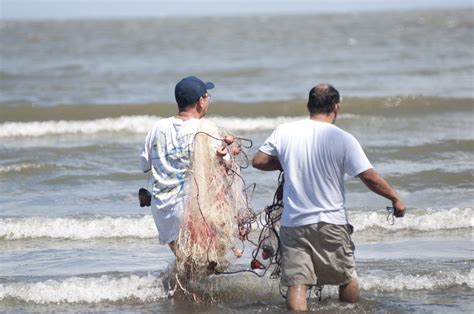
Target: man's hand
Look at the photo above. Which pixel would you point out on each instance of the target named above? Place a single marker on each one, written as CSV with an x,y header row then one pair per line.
x,y
377,184
400,208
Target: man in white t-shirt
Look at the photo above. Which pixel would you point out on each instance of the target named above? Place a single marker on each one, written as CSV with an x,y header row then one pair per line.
x,y
167,152
314,155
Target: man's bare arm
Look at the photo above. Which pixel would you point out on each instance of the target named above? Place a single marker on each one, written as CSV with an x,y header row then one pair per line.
x,y
266,162
376,183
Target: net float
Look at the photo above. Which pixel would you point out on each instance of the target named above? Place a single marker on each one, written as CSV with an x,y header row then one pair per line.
x,y
237,252
228,139
266,254
221,151
235,150
255,264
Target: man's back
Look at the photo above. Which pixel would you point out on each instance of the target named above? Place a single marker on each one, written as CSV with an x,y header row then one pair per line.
x,y
316,246
169,149
315,156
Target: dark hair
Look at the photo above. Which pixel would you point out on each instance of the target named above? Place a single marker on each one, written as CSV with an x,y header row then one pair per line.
x,y
322,99
184,106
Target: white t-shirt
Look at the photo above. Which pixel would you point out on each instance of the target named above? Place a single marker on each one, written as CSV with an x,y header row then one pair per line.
x,y
167,152
315,156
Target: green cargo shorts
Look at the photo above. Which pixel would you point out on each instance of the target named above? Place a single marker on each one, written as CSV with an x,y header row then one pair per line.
x,y
317,254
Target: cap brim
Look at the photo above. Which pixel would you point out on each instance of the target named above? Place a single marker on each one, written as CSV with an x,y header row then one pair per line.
x,y
209,85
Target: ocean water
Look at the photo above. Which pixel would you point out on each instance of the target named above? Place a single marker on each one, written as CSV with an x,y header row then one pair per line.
x,y
77,98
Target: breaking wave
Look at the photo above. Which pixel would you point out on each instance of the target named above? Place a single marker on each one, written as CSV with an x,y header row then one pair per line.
x,y
416,220
86,290
129,124
149,288
432,281
79,228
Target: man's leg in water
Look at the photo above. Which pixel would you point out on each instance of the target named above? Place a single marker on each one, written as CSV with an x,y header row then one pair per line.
x,y
349,292
296,298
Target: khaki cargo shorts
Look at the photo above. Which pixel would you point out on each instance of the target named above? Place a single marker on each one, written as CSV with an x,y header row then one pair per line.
x,y
317,254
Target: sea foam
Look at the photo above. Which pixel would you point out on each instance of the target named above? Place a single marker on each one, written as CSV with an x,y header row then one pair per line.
x,y
149,288
128,124
76,228
415,220
401,282
86,290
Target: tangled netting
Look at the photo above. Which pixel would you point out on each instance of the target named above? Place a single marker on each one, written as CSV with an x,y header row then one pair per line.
x,y
266,253
217,215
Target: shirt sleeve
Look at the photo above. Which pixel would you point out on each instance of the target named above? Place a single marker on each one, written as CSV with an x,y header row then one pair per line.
x,y
145,155
270,146
355,161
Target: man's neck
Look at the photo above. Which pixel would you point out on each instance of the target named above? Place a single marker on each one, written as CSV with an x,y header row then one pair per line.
x,y
328,118
186,115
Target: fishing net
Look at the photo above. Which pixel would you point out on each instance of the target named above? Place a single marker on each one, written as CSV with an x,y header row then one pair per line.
x,y
216,198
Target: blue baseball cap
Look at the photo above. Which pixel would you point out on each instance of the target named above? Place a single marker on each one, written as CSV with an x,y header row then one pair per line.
x,y
190,89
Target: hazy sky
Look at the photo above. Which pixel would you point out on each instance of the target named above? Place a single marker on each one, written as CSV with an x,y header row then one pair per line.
x,y
68,9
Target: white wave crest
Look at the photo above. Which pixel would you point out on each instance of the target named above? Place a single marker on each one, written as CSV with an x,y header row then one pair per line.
x,y
77,228
417,220
135,124
437,280
143,289
88,290
130,124
143,227
252,124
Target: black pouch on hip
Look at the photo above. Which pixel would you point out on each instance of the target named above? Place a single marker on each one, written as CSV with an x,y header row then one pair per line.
x,y
144,196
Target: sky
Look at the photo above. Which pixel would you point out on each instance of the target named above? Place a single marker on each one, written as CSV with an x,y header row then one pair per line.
x,y
82,9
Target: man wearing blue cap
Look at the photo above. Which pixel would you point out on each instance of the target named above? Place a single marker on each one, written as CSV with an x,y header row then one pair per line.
x,y
167,152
